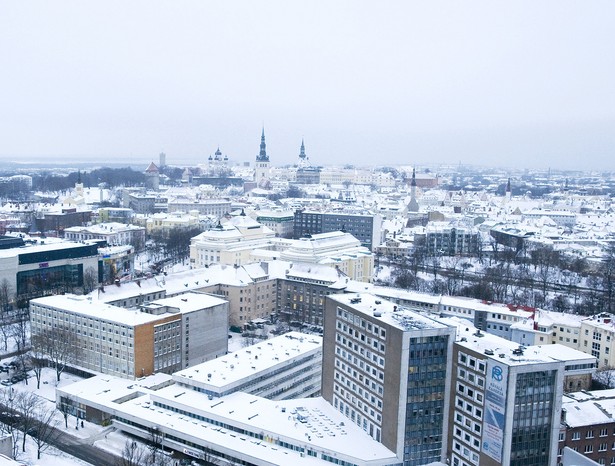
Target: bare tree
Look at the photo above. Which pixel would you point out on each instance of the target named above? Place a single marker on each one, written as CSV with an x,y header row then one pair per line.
x,y
12,418
90,280
27,404
59,346
604,378
37,359
133,454
6,317
43,431
66,407
155,445
20,331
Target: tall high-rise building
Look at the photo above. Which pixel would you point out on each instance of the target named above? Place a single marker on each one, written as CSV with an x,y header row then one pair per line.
x,y
505,403
385,368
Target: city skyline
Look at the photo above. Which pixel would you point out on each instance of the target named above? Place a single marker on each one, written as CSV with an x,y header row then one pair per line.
x,y
521,85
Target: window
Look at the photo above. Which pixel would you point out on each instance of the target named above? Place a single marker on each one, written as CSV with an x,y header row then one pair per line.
x,y
588,449
577,436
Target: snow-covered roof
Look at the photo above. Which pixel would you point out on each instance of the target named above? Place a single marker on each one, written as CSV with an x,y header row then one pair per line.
x,y
311,423
222,374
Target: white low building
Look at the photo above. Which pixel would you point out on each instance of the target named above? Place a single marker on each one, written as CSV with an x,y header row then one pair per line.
x,y
284,367
115,234
238,428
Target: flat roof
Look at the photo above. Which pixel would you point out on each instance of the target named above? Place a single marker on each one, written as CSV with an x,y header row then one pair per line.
x,y
85,307
387,312
507,351
48,244
187,302
311,423
223,373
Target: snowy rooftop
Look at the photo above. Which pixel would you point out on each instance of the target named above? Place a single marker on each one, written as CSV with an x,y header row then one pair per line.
x,y
221,374
507,351
589,408
83,306
104,228
387,312
311,423
43,245
187,302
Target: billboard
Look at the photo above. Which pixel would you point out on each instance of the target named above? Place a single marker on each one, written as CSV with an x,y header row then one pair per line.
x,y
495,410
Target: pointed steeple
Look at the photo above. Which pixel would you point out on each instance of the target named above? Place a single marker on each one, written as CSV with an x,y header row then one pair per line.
x,y
302,150
262,156
413,206
508,190
79,176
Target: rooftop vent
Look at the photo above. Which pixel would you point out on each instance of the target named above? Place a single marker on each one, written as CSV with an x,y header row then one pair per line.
x,y
489,352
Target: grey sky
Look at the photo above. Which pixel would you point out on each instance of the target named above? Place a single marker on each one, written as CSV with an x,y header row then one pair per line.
x,y
521,83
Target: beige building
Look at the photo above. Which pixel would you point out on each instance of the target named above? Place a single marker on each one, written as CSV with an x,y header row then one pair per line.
x,y
168,221
336,249
597,338
230,243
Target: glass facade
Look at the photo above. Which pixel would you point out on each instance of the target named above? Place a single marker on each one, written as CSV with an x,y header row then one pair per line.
x,y
44,280
533,413
425,401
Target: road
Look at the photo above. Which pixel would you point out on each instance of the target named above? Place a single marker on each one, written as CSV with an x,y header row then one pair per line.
x,y
74,446
82,449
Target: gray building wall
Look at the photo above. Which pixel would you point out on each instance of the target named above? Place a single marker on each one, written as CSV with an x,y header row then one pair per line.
x,y
205,334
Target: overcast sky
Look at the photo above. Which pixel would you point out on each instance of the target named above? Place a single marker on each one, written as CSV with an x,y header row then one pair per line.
x,y
501,83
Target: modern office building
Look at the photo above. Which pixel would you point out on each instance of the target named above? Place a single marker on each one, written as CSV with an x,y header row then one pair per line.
x,y
367,228
505,403
386,369
448,240
46,266
161,336
281,223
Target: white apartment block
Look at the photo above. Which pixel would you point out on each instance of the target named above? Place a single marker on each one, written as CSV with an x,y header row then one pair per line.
x,y
161,336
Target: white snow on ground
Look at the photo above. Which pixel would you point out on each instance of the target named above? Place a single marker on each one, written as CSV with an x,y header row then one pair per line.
x,y
102,437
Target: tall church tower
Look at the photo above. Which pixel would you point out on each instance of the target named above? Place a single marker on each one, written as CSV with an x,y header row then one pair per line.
x,y
304,160
413,206
79,185
261,176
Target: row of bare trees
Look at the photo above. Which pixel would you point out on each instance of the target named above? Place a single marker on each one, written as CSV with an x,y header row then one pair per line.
x,y
539,276
25,413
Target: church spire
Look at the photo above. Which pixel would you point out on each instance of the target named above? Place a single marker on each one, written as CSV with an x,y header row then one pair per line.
x,y
413,205
262,156
302,150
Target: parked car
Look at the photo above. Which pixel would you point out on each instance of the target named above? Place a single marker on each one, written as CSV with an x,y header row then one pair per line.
x,y
6,382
